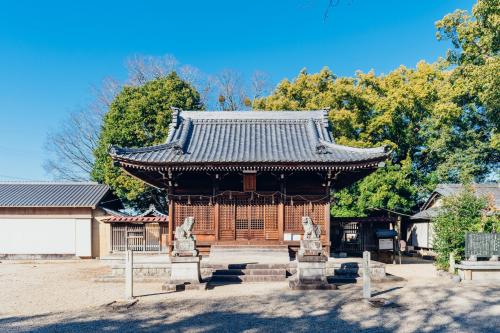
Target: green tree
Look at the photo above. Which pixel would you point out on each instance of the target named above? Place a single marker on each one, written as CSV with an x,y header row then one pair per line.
x,y
443,116
458,215
139,116
475,62
391,187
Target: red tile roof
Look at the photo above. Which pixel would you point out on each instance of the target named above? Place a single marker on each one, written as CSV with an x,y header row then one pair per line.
x,y
136,219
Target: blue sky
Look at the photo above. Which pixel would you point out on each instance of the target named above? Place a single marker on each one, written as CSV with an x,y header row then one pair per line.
x,y
52,53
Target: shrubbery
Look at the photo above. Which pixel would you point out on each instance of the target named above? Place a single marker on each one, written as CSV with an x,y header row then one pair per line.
x,y
459,214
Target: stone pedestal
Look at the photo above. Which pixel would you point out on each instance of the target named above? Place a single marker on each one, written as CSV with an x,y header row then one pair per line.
x,y
185,274
184,248
479,270
311,267
310,247
185,267
311,274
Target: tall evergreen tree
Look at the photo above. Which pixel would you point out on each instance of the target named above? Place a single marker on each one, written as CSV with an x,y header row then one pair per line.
x,y
140,116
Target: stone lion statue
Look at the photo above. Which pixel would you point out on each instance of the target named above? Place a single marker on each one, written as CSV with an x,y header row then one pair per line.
x,y
311,230
183,231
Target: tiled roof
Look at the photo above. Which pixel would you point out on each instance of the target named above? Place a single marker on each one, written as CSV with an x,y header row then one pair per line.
x,y
248,137
488,189
49,194
136,219
426,214
446,190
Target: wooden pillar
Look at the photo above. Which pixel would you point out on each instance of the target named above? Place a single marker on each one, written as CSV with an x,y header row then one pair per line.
x,y
215,191
170,225
216,220
281,221
328,188
281,210
327,228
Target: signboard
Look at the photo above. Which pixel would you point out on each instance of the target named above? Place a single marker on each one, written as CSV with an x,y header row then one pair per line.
x,y
385,244
482,245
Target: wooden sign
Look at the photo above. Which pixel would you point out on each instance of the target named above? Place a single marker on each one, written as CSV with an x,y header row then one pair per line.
x,y
385,244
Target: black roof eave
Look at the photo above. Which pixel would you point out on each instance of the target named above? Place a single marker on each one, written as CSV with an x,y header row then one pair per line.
x,y
265,165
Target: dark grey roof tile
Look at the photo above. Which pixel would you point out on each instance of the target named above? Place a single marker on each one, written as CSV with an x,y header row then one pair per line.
x,y
51,194
249,136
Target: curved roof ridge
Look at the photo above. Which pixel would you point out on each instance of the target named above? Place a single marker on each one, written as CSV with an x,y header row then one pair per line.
x,y
374,150
253,114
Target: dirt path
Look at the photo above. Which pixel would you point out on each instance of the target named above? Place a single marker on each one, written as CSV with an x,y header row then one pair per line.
x,y
62,297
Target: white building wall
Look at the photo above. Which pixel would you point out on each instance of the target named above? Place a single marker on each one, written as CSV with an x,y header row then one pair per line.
x,y
83,237
45,236
421,235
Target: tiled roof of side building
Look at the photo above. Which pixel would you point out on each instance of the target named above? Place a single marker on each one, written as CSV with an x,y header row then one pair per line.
x,y
51,194
249,137
489,190
486,189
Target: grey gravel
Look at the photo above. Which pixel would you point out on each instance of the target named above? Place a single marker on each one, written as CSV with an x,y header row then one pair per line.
x,y
62,298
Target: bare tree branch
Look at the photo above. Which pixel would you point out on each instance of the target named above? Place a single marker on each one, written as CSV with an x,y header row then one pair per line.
x,y
260,83
231,90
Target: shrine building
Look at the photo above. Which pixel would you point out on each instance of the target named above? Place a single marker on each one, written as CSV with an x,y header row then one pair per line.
x,y
248,177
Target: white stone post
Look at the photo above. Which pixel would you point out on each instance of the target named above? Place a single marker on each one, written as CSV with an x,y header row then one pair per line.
x,y
129,274
366,275
452,263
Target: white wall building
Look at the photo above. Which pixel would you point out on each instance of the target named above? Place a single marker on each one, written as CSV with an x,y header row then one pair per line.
x,y
52,220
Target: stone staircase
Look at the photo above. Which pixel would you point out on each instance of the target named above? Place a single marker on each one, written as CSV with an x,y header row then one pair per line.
x,y
249,254
237,273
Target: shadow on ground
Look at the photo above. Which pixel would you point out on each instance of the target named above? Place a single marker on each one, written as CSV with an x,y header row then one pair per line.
x,y
416,309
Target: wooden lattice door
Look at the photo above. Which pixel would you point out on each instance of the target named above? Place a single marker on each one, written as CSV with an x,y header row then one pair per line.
x,y
245,219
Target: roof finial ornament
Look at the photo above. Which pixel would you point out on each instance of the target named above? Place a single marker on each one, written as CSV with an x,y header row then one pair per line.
x,y
175,116
326,111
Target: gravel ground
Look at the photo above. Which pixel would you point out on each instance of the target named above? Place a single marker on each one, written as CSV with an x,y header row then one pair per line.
x,y
48,297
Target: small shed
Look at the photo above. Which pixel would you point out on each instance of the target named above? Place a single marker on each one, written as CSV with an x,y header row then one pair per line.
x,y
52,219
145,232
420,230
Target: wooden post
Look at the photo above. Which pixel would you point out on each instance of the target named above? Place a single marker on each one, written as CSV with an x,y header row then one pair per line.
x,y
129,274
281,221
366,275
281,211
327,228
215,191
170,224
398,229
216,220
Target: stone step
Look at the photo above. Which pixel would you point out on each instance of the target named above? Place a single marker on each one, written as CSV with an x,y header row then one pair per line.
x,y
281,272
249,254
219,266
247,278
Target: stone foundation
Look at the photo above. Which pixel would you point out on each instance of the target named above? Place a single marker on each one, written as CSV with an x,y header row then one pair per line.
x,y
333,267
479,270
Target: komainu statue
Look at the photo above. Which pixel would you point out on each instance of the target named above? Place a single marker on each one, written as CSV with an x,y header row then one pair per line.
x,y
311,230
183,232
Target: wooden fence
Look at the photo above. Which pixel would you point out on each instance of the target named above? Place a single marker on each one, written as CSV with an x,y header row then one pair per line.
x,y
138,237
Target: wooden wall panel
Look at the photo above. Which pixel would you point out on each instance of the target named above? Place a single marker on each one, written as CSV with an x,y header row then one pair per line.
x,y
295,210
202,211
